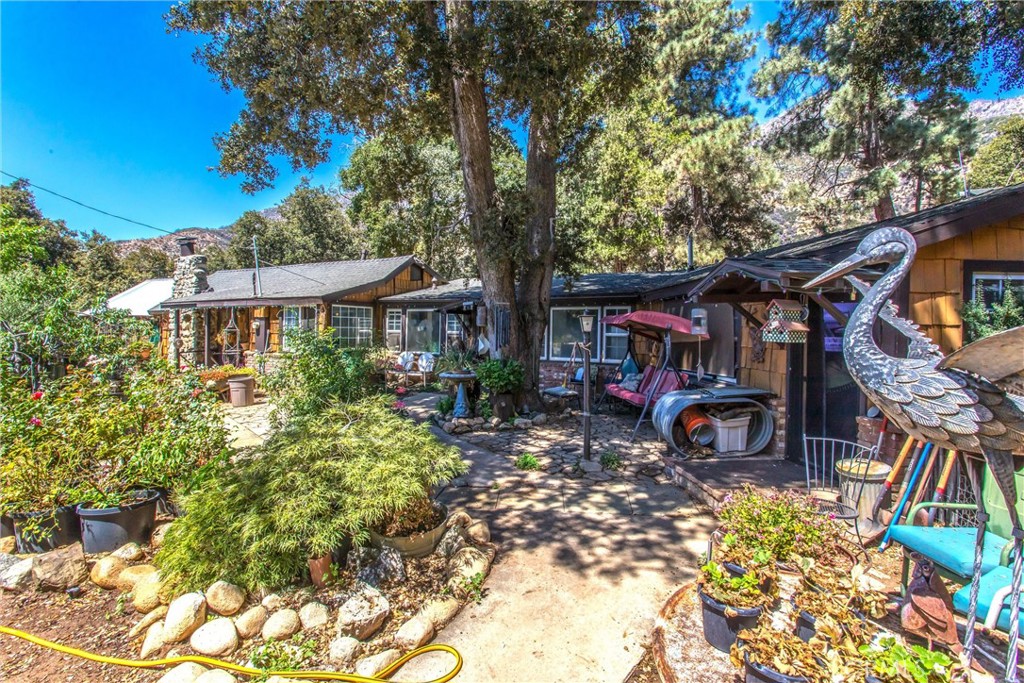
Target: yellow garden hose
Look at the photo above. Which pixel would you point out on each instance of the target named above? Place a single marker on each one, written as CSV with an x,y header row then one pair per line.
x,y
245,670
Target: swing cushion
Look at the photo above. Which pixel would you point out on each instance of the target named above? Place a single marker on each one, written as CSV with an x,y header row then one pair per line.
x,y
992,581
621,392
669,382
951,547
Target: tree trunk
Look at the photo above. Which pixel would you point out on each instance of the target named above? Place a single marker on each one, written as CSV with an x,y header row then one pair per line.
x,y
537,268
495,240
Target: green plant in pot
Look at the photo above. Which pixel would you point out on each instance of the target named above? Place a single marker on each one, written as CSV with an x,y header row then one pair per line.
x,y
895,662
462,361
786,524
729,603
503,378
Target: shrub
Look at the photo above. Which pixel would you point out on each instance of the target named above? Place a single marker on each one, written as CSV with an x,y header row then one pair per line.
x,y
505,376
786,524
79,441
317,373
259,519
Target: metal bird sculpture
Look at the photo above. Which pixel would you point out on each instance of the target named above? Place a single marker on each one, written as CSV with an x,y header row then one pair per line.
x,y
927,610
958,403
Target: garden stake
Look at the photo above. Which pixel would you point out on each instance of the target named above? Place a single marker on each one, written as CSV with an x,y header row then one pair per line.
x,y
892,477
940,488
906,494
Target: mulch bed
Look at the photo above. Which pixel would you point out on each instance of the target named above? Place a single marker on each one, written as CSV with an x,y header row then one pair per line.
x,y
99,620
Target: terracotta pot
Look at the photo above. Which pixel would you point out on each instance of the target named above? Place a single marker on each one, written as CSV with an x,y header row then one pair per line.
x,y
320,570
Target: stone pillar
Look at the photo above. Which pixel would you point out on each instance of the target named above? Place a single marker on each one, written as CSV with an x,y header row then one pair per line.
x,y
186,328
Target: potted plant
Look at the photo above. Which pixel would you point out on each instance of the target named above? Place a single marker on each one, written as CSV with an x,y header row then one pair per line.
x,y
729,604
459,361
785,524
767,655
891,661
503,378
840,596
414,530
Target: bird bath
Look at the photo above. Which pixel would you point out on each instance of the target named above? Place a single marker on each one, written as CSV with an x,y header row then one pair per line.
x,y
460,378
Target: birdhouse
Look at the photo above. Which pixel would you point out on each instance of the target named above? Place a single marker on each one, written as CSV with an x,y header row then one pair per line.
x,y
785,323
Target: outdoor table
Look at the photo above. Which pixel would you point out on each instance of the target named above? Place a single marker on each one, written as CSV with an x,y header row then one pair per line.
x,y
461,404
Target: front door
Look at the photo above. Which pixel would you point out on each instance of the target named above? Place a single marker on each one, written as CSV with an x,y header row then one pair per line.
x,y
261,334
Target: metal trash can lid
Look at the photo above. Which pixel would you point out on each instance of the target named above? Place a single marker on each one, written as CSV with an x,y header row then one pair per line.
x,y
861,468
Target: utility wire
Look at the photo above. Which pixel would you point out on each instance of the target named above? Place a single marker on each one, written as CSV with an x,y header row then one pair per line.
x,y
84,205
263,262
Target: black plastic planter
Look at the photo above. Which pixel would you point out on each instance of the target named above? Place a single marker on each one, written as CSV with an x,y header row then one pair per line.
x,y
720,630
756,673
805,628
53,530
107,529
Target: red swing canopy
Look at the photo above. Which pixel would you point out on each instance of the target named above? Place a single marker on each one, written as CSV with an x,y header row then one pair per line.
x,y
654,325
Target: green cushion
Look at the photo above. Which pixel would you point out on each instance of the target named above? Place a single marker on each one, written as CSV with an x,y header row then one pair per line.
x,y
950,547
999,577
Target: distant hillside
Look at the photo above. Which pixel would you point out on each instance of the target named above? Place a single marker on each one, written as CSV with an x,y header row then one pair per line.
x,y
205,238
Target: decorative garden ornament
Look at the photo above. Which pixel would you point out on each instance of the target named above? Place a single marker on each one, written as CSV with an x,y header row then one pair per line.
x,y
957,403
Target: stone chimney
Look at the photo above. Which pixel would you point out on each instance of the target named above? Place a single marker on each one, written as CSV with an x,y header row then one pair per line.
x,y
186,326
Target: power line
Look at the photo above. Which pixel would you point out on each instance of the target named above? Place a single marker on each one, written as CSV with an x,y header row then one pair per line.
x,y
84,205
144,225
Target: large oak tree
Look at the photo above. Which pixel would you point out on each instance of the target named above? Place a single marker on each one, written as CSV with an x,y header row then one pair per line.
x,y
312,70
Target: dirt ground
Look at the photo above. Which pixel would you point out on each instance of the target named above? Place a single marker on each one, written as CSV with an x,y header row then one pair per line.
x,y
98,621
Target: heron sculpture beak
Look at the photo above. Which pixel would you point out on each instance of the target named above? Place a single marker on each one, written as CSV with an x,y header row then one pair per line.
x,y
847,265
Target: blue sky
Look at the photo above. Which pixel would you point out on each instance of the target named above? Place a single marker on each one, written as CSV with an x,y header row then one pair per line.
x,y
98,102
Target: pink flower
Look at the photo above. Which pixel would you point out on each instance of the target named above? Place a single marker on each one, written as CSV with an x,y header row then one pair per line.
x,y
37,395
398,405
35,422
401,391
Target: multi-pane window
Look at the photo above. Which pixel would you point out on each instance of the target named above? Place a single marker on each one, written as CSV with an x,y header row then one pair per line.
x,y
423,331
393,329
296,318
353,325
615,340
992,287
565,332
452,329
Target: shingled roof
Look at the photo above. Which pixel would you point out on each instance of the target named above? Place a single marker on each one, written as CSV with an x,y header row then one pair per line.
x,y
590,287
301,283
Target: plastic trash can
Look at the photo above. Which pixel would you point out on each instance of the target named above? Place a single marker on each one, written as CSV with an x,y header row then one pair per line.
x,y
243,390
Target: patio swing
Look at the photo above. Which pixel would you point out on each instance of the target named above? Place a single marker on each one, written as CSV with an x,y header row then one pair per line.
x,y
657,379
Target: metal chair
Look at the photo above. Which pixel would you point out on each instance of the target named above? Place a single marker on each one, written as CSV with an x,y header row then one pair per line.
x,y
821,454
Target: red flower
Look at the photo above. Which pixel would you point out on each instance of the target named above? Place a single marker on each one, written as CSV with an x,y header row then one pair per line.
x,y
37,395
401,391
35,422
398,405
196,392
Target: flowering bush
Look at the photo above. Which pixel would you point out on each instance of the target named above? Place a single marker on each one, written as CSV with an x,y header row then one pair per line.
x,y
81,441
786,524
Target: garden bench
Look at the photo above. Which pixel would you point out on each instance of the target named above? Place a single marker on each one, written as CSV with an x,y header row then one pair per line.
x,y
951,548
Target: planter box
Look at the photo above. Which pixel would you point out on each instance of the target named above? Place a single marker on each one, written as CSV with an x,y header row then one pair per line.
x,y
107,529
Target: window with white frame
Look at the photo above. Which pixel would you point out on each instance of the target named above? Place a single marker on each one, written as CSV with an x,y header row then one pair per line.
x,y
422,331
393,328
296,318
564,332
452,329
614,340
992,287
353,325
